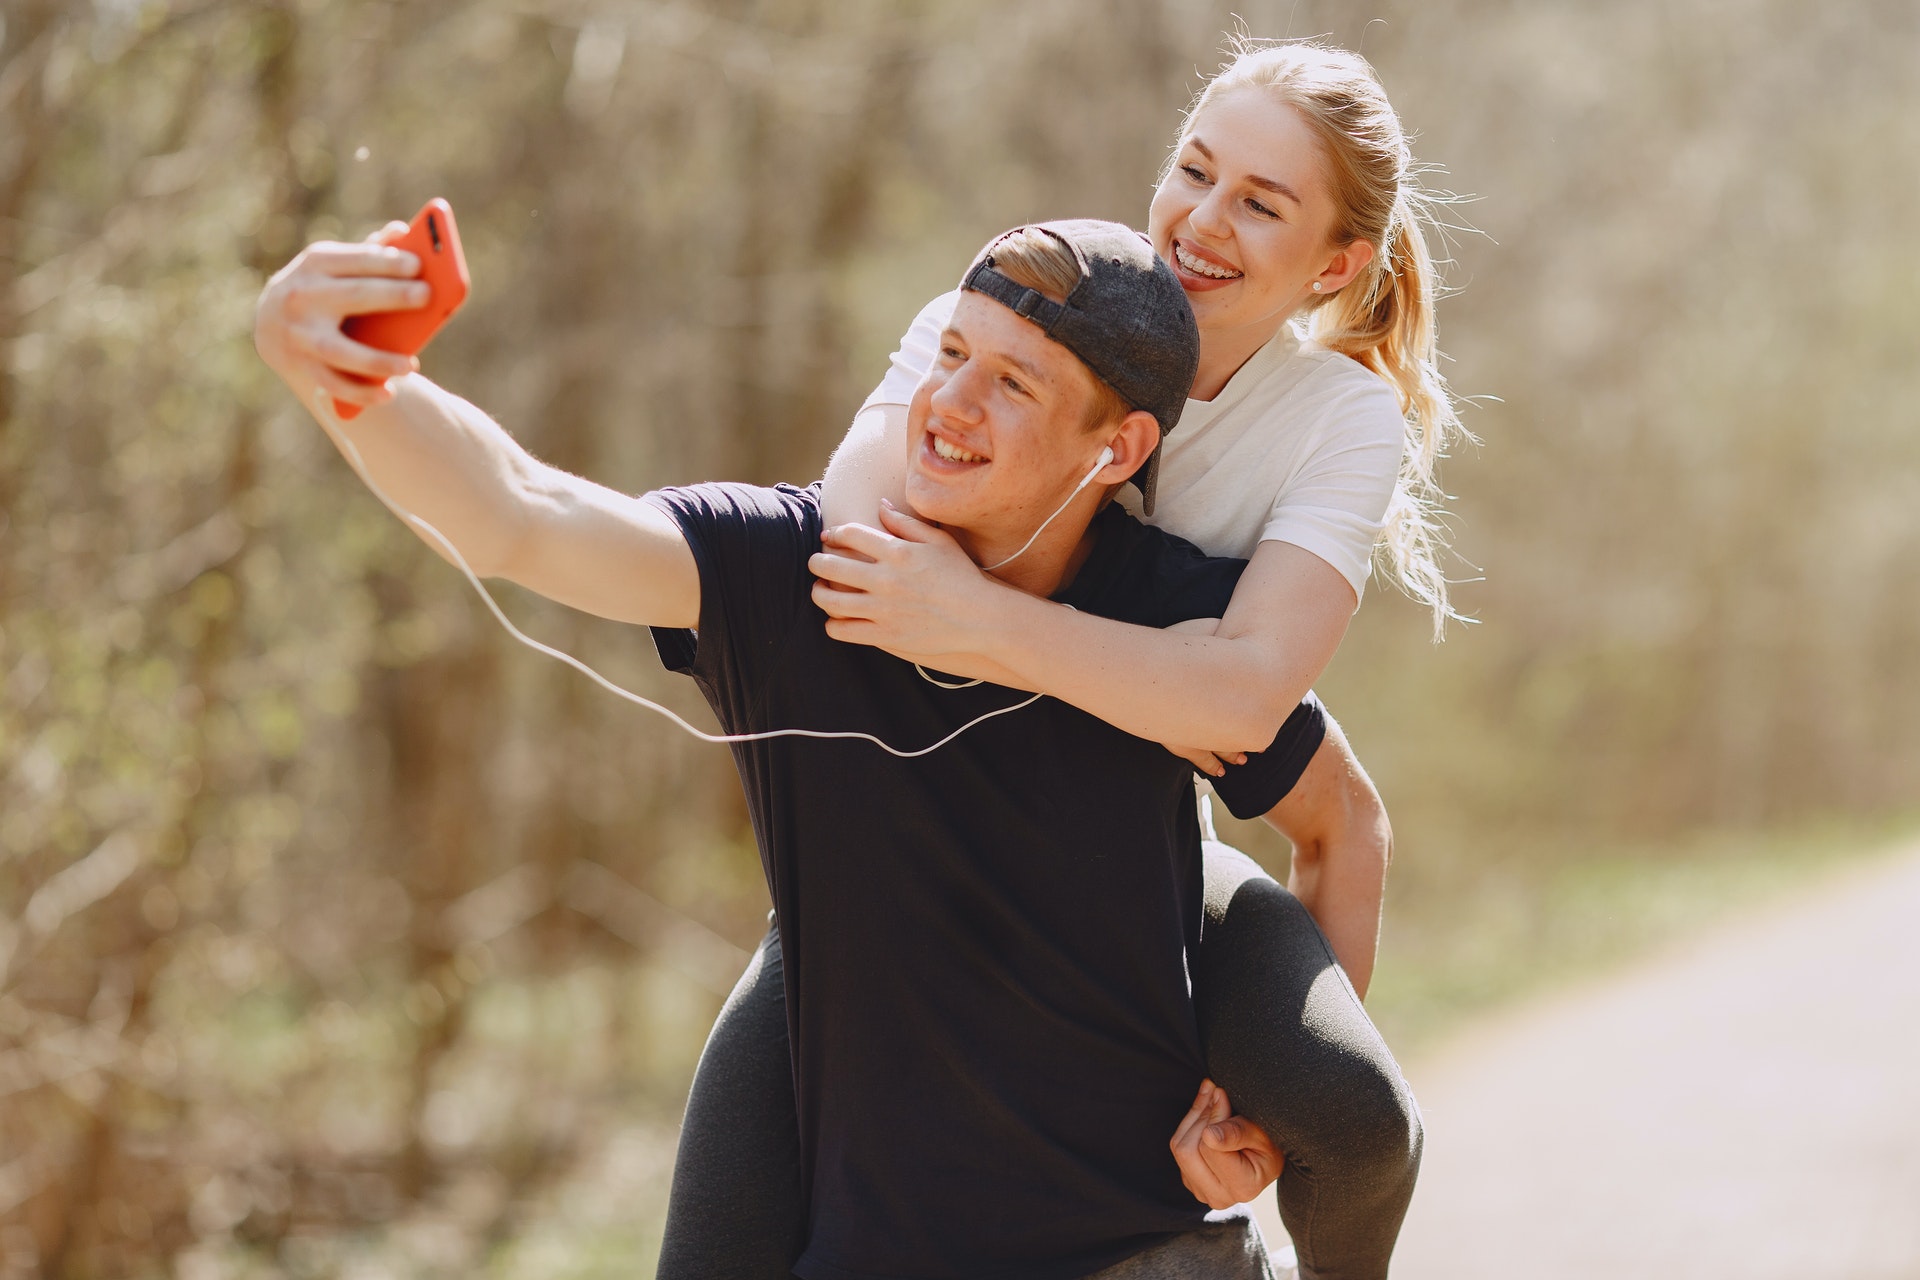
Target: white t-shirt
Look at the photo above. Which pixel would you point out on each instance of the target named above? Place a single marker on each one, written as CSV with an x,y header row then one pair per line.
x,y
1302,445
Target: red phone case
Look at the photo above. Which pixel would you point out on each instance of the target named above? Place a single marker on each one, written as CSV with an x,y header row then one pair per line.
x,y
435,240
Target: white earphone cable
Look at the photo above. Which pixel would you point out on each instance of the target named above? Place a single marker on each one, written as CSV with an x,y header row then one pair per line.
x,y
323,406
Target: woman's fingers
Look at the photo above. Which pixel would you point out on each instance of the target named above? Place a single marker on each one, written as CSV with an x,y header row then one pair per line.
x,y
905,524
838,603
864,540
1205,761
854,575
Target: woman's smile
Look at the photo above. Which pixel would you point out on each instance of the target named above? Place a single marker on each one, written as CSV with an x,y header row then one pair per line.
x,y
1199,270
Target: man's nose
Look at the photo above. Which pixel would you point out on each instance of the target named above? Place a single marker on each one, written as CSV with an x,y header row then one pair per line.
x,y
959,396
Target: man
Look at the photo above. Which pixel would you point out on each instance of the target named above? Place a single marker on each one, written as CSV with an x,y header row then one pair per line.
x,y
986,946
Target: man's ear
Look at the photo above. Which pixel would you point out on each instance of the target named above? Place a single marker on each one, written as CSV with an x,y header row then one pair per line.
x,y
1132,445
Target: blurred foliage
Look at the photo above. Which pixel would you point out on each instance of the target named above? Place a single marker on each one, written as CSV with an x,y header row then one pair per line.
x,y
335,938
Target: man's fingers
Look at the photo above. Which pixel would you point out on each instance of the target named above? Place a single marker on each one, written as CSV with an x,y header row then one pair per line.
x,y
352,390
1184,1133
1232,1134
389,233
364,295
338,351
362,260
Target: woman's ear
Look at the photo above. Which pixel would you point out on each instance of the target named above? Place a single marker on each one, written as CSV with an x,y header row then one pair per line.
x,y
1132,445
1344,266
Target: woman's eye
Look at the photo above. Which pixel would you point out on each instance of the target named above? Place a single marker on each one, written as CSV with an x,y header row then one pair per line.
x,y
1193,172
1261,209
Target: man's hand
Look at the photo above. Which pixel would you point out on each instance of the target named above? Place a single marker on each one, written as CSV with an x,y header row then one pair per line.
x,y
1224,1159
296,326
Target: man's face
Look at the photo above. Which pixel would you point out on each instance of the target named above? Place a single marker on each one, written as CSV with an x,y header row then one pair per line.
x,y
997,432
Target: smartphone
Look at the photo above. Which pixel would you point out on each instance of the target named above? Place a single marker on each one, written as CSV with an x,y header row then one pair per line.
x,y
435,240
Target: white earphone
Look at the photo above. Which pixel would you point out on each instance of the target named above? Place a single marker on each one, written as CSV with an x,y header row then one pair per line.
x,y
1105,460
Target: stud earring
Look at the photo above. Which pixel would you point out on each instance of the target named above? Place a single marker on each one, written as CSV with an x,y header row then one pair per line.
x,y
1317,286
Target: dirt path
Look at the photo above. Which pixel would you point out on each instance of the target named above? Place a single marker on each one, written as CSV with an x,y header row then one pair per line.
x,y
1746,1107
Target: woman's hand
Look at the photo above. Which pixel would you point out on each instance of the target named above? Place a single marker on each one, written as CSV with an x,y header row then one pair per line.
x,y
296,326
906,587
1224,1159
1212,763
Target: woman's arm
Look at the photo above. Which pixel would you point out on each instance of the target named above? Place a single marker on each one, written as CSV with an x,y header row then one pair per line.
x,y
1342,844
869,466
1231,690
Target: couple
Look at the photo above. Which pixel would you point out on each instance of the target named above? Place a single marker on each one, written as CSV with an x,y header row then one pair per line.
x,y
971,1045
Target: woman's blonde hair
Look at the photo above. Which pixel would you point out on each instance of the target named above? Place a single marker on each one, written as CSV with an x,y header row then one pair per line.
x,y
1383,317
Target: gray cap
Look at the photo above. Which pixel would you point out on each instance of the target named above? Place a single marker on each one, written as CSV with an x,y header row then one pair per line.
x,y
1128,320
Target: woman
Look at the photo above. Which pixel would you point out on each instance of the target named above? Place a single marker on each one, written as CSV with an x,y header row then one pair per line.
x,y
1290,195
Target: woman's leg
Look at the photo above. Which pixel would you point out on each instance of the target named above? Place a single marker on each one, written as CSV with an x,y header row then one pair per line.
x,y
735,1212
1286,1037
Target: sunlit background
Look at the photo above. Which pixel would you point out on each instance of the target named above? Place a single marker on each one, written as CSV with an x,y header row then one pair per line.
x,y
340,937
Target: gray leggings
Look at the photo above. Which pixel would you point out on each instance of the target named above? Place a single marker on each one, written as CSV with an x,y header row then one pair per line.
x,y
1284,1035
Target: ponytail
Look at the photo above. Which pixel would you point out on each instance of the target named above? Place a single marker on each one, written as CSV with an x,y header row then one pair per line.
x,y
1385,320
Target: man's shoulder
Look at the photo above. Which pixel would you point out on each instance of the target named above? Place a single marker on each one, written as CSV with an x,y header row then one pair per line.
x,y
747,507
1141,573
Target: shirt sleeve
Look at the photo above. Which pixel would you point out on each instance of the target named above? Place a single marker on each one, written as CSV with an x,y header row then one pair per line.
x,y
1338,502
918,347
750,546
1253,788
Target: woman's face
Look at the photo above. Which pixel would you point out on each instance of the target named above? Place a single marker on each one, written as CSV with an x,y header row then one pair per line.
x,y
1244,216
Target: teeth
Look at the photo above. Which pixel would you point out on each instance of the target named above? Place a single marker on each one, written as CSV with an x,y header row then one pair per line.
x,y
1203,268
953,452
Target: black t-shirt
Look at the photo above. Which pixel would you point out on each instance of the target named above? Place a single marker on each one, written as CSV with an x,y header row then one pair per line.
x,y
993,1037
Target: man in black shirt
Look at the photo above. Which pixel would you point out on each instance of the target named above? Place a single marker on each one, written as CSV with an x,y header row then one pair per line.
x,y
985,947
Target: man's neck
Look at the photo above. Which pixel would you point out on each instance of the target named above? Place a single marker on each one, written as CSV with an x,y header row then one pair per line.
x,y
1042,569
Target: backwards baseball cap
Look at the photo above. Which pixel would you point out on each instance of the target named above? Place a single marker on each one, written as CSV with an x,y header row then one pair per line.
x,y
1127,320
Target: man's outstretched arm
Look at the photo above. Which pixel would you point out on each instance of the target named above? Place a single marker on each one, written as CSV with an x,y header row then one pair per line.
x,y
511,515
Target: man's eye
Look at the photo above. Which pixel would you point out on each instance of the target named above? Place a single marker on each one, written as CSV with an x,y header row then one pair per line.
x,y
950,353
1014,386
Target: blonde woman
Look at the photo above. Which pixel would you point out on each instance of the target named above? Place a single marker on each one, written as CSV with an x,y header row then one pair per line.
x,y
1291,215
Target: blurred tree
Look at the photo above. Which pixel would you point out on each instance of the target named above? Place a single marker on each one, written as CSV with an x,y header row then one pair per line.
x,y
332,928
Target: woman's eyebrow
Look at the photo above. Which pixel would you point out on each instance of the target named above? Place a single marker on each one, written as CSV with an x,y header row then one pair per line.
x,y
1265,184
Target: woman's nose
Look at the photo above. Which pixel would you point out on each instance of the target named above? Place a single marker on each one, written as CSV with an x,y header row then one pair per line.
x,y
1209,217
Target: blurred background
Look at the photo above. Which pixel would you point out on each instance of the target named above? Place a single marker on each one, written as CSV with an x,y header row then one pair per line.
x,y
340,937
